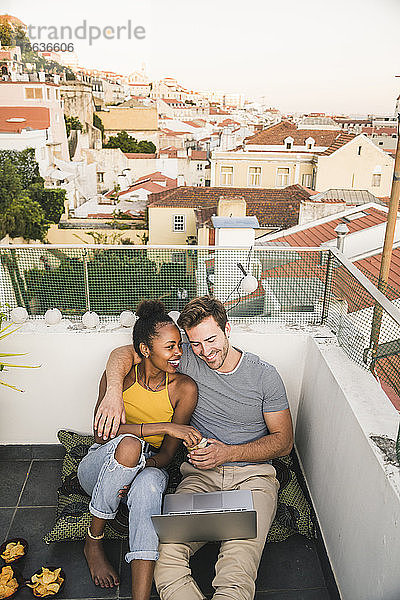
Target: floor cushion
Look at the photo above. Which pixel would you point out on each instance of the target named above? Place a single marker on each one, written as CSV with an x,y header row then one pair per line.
x,y
293,513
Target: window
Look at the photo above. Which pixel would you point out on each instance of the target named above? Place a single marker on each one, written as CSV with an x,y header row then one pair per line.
x,y
310,143
306,180
359,150
100,177
226,175
376,179
254,178
282,179
289,143
199,167
48,93
33,93
179,223
354,216
380,143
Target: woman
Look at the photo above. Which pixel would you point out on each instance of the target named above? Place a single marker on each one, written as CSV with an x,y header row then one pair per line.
x,y
158,405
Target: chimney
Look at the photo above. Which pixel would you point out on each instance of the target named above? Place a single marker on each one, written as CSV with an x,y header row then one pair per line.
x,y
341,230
231,206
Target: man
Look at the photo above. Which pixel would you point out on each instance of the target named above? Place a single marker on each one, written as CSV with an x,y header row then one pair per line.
x,y
243,411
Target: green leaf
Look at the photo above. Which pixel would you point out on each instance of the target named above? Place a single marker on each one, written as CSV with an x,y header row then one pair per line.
x,y
10,386
8,333
22,366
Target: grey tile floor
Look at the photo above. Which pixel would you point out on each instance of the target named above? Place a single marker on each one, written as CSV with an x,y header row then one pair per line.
x,y
296,569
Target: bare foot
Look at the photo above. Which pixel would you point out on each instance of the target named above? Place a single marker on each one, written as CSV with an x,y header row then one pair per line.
x,y
101,571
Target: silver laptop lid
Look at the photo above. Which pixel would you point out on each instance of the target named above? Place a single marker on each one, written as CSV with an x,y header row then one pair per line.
x,y
232,500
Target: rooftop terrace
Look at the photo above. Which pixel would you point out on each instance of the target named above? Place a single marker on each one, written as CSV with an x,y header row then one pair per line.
x,y
294,569
311,316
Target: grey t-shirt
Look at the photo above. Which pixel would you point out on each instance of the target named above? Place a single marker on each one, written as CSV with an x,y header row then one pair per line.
x,y
230,406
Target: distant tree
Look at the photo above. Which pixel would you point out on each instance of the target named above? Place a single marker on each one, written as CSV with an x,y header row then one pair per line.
x,y
21,39
72,123
25,218
127,143
26,207
52,201
11,35
6,32
33,58
10,185
146,147
25,163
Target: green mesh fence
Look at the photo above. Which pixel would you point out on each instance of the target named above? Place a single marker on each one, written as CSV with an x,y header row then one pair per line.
x,y
364,329
108,280
295,286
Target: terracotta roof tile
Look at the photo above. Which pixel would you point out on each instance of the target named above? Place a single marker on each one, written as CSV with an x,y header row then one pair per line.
x,y
35,117
371,266
384,130
216,111
199,155
192,123
272,207
276,135
341,140
173,101
315,235
139,155
6,55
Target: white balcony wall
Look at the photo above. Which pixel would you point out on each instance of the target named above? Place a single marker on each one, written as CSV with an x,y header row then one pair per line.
x,y
336,406
354,489
62,392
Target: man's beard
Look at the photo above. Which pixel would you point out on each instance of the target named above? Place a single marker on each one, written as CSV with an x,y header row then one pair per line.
x,y
222,354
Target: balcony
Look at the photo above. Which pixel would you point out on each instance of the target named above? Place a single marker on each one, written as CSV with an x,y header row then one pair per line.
x,y
311,316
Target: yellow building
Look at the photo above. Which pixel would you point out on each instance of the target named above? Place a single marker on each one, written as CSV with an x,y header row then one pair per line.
x,y
86,233
171,224
288,154
357,165
246,169
183,214
140,122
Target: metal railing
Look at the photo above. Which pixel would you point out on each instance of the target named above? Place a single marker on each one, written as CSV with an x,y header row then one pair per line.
x,y
303,286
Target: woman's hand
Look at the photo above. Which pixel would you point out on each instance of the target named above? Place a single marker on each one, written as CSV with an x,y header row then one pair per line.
x,y
187,433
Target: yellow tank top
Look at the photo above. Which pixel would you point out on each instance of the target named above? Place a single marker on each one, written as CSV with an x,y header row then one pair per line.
x,y
145,406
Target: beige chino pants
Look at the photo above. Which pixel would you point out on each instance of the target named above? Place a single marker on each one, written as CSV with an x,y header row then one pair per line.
x,y
238,560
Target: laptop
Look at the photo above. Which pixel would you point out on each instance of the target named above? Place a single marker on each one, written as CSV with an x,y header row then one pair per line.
x,y
210,516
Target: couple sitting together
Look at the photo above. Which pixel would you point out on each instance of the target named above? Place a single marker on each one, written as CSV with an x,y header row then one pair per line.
x,y
156,393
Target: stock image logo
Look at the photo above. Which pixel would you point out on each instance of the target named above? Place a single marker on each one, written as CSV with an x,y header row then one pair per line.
x,y
61,37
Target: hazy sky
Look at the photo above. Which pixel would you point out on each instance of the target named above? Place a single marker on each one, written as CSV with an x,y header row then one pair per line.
x,y
302,55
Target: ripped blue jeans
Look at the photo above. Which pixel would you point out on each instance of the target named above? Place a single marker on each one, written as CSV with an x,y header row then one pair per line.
x,y
101,476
